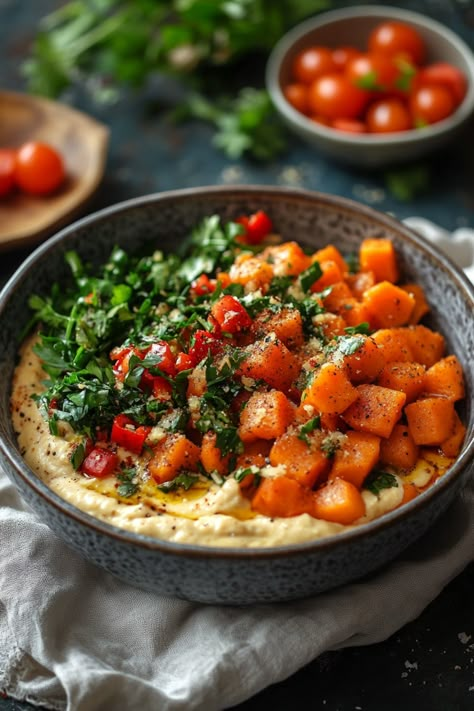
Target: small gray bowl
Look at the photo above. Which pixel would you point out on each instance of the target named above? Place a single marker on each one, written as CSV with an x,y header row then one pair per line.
x,y
352,26
213,574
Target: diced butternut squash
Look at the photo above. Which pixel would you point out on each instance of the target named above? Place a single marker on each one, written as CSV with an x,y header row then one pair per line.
x,y
330,253
376,410
356,457
421,307
287,325
452,445
427,346
399,450
339,296
282,497
301,455
365,364
339,501
255,454
404,376
330,390
388,305
331,325
252,272
287,259
379,257
331,273
430,420
356,312
270,360
266,416
410,492
172,454
211,456
445,378
360,282
394,343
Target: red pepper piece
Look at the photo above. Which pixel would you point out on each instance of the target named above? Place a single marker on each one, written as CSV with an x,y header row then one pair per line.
x,y
162,389
163,350
99,463
257,227
203,285
205,342
126,434
231,316
183,362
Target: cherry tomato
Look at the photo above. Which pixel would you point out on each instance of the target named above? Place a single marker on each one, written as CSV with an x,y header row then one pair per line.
x,y
372,72
39,168
388,115
7,170
394,38
349,125
444,74
297,96
334,96
99,463
430,104
342,56
312,63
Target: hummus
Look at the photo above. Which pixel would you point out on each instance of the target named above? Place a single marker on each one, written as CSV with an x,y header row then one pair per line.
x,y
233,398
210,515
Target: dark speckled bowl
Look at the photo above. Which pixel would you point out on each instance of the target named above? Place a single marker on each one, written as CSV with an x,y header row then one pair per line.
x,y
239,576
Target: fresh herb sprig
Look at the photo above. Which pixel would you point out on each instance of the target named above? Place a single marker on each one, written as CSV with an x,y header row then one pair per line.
x,y
115,44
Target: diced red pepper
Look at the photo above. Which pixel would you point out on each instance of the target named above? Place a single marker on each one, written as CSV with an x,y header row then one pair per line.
x,y
99,463
126,434
205,342
203,285
231,316
257,227
163,350
122,356
162,389
183,362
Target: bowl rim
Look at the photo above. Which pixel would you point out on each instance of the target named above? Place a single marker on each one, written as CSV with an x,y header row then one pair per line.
x,y
12,456
298,32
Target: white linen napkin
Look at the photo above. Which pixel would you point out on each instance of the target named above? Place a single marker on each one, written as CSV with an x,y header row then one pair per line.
x,y
73,637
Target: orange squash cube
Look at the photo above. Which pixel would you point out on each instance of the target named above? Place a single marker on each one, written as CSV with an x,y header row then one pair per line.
x,y
430,420
376,410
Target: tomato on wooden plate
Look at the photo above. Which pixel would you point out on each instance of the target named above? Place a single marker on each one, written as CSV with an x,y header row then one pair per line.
x,y
39,168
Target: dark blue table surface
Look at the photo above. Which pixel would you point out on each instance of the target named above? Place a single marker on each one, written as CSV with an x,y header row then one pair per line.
x,y
428,665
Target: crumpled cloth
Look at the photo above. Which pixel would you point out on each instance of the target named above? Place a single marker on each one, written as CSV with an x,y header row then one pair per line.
x,y
73,637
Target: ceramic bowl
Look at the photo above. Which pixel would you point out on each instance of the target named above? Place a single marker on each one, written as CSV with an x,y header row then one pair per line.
x,y
238,576
351,26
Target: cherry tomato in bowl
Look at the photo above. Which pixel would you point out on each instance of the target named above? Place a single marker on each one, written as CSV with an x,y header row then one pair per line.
x,y
397,38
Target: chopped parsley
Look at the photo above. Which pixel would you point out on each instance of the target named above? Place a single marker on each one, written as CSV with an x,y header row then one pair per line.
x,y
377,481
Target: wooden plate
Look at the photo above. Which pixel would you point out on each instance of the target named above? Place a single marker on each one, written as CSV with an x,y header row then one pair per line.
x,y
82,141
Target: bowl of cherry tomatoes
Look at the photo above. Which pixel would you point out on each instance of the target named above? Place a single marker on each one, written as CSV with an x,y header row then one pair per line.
x,y
371,85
